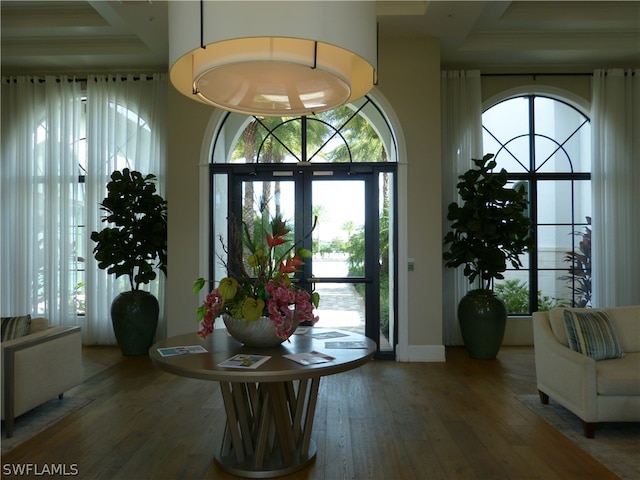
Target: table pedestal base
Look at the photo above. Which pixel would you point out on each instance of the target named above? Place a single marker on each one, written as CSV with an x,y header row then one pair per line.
x,y
270,468
268,430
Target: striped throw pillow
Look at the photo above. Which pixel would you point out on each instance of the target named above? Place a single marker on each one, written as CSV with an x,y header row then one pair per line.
x,y
15,327
592,334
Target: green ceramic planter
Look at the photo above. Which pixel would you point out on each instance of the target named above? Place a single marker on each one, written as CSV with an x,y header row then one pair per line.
x,y
483,319
134,316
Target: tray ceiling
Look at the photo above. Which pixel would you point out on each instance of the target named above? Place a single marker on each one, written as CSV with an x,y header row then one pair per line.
x,y
94,36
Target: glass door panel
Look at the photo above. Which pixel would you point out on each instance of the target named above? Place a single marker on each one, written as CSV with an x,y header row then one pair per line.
x,y
338,240
352,265
338,262
262,202
386,261
342,306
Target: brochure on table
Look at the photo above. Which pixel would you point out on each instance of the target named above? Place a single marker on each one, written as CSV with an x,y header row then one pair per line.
x,y
185,350
325,335
243,360
309,358
345,344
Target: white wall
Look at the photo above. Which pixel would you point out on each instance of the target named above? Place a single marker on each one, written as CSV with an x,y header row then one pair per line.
x,y
188,121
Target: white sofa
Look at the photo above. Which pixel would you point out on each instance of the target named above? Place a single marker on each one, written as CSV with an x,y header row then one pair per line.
x,y
37,367
594,390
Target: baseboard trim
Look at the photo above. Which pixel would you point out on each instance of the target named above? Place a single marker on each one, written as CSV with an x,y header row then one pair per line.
x,y
421,353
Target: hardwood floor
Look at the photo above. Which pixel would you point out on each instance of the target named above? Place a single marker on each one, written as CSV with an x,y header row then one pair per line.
x,y
454,420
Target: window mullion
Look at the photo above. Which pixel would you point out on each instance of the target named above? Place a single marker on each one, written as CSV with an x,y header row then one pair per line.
x,y
533,209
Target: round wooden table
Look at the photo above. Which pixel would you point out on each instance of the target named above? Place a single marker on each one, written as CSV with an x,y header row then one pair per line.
x,y
270,409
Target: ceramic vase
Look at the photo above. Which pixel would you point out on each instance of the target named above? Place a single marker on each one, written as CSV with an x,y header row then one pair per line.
x,y
483,319
257,333
134,316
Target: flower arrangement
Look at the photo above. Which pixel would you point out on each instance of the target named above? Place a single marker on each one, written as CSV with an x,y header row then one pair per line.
x,y
267,290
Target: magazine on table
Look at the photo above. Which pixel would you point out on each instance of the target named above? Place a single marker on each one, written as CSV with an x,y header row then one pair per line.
x,y
346,344
309,358
243,360
185,350
324,335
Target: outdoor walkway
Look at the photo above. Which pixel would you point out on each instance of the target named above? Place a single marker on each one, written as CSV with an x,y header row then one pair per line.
x,y
340,304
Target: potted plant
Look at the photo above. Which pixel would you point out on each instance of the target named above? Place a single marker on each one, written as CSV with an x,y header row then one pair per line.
x,y
489,230
258,301
579,278
135,244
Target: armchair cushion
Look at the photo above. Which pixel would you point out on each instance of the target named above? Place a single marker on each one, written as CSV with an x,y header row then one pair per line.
x,y
619,377
38,324
15,327
556,320
592,334
627,323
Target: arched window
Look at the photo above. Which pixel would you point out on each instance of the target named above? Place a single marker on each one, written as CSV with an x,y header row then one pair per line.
x,y
338,166
544,143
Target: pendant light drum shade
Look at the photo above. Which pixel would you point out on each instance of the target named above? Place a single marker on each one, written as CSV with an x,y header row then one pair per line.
x,y
273,58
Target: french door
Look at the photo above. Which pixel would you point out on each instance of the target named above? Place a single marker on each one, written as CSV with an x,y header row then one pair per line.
x,y
353,247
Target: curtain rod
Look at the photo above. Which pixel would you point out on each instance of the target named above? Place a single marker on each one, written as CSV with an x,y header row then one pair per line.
x,y
534,75
627,71
41,79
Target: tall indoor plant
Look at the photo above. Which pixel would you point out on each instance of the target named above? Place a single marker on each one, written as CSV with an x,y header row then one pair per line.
x,y
489,230
135,244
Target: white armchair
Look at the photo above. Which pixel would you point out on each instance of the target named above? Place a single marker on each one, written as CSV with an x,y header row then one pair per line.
x,y
596,391
38,367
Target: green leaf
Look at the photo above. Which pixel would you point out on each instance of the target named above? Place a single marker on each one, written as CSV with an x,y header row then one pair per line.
x,y
315,299
198,284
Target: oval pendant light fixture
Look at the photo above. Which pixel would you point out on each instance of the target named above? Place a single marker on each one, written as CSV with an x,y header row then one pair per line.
x,y
281,58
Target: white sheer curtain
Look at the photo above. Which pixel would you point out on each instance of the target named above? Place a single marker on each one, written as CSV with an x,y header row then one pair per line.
x,y
126,128
46,214
461,112
38,197
615,126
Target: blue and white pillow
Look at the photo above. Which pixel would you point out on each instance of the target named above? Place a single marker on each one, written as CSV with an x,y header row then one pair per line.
x,y
15,327
592,333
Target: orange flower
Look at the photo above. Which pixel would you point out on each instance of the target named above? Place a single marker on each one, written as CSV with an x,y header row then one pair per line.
x,y
275,240
291,264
